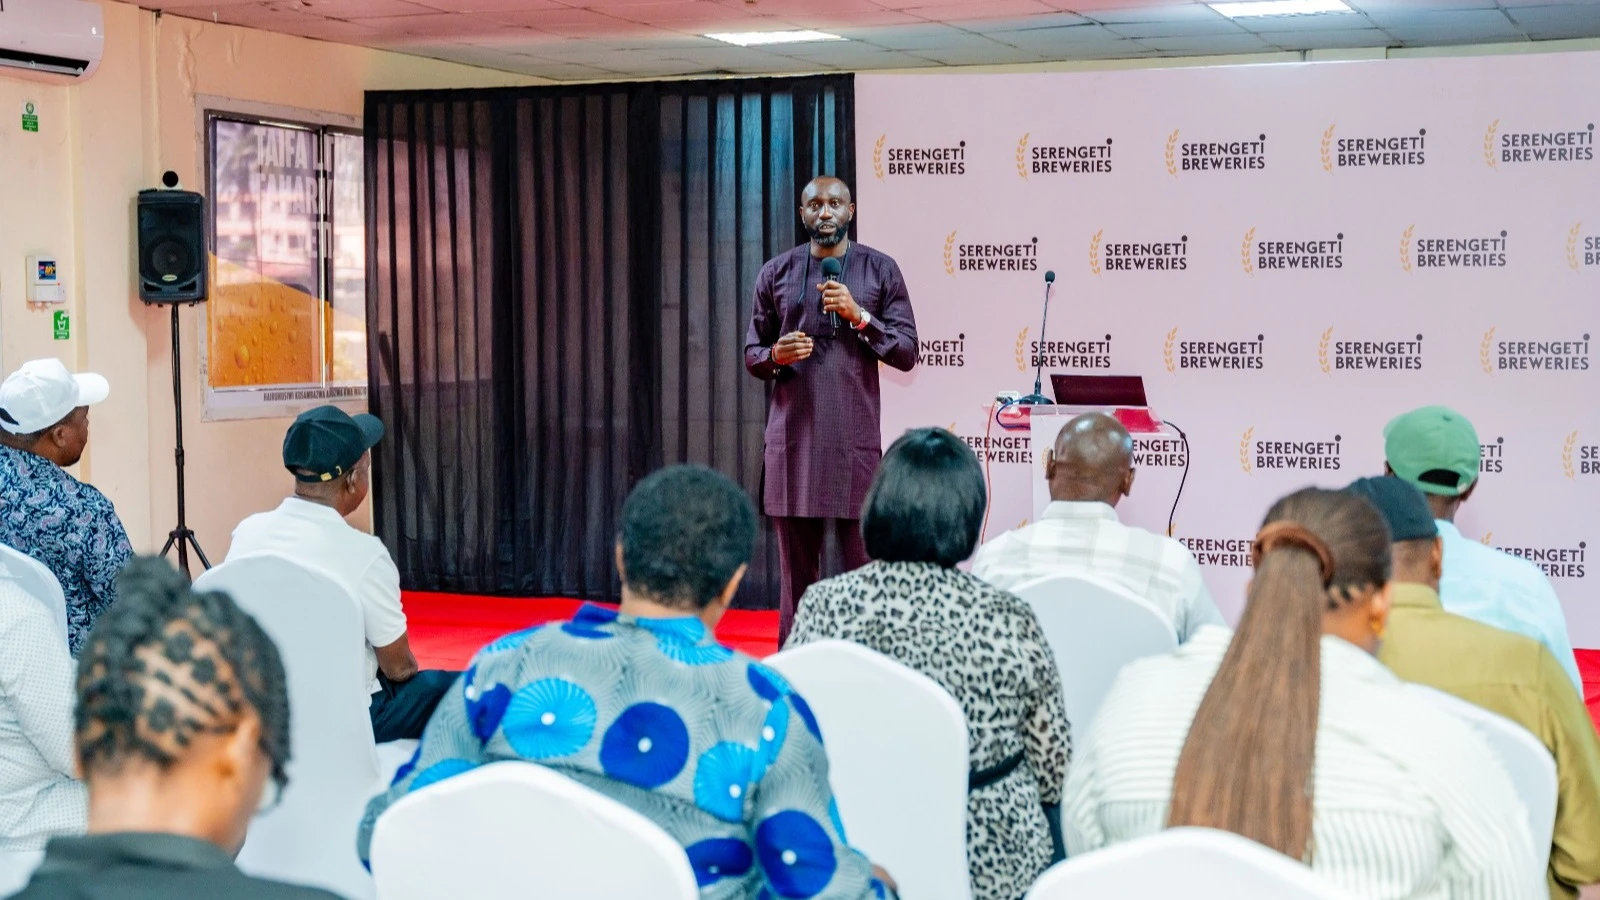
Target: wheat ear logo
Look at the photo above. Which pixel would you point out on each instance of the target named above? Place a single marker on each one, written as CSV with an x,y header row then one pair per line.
x,y
877,156
1486,539
1244,450
1322,350
1327,146
1485,358
1172,153
1022,157
949,255
1022,344
1566,455
1405,247
1244,252
1166,351
1094,251
1488,144
1572,246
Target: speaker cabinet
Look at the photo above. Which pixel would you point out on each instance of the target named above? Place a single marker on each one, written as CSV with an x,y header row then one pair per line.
x,y
172,247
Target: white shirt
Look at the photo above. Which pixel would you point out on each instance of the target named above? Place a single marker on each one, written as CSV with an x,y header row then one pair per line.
x,y
1498,589
317,535
1409,803
1087,539
39,797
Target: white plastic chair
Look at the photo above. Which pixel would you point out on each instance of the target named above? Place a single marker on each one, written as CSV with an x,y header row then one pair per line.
x,y
310,838
1094,629
38,581
16,867
1527,761
511,830
1192,863
897,758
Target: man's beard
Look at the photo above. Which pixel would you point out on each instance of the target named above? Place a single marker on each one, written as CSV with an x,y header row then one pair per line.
x,y
825,239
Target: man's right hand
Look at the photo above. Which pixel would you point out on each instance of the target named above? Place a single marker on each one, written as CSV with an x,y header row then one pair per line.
x,y
792,348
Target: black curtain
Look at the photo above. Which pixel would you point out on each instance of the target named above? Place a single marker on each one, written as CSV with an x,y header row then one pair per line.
x,y
558,288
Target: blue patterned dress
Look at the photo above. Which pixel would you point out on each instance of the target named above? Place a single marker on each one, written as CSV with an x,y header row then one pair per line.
x,y
70,527
711,745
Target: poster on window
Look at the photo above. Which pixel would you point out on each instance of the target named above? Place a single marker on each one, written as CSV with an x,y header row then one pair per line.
x,y
285,324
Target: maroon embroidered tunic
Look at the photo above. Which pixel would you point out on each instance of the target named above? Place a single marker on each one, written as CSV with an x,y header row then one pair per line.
x,y
824,430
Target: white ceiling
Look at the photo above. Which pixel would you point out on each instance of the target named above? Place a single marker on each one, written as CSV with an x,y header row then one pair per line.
x,y
612,39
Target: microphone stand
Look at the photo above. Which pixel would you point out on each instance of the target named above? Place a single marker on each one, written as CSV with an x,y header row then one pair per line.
x,y
1037,398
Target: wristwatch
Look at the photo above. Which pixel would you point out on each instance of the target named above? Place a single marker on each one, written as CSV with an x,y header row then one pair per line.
x,y
866,319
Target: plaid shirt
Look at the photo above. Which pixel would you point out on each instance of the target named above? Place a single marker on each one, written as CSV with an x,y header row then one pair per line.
x,y
1087,539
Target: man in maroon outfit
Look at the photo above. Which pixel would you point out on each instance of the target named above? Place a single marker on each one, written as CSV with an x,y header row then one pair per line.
x,y
824,433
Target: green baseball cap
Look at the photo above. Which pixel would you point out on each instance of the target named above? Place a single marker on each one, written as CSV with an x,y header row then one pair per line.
x,y
1434,448
326,442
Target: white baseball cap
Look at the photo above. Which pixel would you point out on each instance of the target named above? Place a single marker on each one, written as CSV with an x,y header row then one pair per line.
x,y
42,392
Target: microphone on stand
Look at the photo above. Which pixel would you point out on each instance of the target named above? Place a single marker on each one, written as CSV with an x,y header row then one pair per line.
x,y
1036,398
831,267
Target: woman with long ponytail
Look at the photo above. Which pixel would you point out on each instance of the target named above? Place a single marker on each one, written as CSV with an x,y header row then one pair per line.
x,y
1290,733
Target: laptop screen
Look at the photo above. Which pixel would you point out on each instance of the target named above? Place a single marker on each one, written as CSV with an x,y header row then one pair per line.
x,y
1099,390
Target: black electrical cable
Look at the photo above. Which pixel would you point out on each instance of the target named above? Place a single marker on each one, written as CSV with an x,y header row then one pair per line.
x,y
1173,516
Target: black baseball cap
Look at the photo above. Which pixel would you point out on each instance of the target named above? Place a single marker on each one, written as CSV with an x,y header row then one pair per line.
x,y
326,441
1402,506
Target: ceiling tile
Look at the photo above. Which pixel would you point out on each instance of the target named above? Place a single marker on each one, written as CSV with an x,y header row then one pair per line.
x,y
1416,6
1196,28
432,26
1052,38
488,6
1329,40
1414,16
980,9
1024,23
1183,12
187,5
785,7
342,32
835,21
1205,46
1570,19
911,37
361,9
988,56
1278,24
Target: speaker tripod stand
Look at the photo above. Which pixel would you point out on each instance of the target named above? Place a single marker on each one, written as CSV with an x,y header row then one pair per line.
x,y
181,537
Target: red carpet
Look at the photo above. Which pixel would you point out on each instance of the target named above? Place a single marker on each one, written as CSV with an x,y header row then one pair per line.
x,y
446,629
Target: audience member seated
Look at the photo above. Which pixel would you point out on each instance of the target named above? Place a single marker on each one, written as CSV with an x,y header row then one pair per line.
x,y
921,517
39,795
1292,734
1090,469
1505,673
182,735
1435,449
329,453
45,512
643,705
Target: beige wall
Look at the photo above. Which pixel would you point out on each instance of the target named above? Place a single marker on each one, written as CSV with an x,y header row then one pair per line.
x,y
69,190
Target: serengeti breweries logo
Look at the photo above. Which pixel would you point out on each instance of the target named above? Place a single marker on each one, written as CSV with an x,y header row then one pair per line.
x,y
1137,256
1467,251
1224,552
1092,158
1583,251
1215,156
1503,146
1090,353
966,256
892,161
942,353
1578,458
1280,255
1551,353
1335,354
1301,455
1005,449
1373,151
1558,561
1213,354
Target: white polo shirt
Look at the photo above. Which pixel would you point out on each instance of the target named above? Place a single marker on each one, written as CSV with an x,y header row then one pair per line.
x,y
319,536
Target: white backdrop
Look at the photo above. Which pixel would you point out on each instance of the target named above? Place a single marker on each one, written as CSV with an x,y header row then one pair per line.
x,y
1290,255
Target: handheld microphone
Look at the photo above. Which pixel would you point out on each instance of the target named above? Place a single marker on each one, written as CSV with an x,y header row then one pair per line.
x,y
1037,398
831,267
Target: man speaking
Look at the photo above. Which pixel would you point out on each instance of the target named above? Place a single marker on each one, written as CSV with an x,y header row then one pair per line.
x,y
825,314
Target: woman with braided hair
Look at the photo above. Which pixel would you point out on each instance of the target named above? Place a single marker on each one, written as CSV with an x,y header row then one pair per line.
x,y
182,735
1291,733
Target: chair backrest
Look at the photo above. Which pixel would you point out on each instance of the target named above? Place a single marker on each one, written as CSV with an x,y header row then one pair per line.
x,y
1527,761
897,758
511,830
1192,863
16,867
1094,629
38,581
333,770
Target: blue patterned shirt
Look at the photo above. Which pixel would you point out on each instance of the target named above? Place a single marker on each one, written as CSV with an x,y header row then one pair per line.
x,y
711,745
70,527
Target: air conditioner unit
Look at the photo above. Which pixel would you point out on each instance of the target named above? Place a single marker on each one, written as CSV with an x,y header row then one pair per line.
x,y
56,37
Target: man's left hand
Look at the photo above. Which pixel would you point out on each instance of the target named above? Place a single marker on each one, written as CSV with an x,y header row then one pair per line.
x,y
836,298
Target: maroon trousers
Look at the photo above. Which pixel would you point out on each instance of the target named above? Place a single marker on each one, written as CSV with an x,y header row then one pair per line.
x,y
801,545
